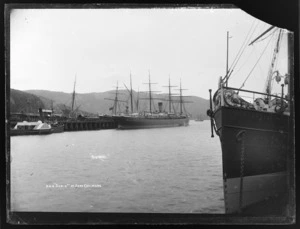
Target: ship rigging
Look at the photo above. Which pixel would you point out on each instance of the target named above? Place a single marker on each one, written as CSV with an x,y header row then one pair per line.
x,y
254,135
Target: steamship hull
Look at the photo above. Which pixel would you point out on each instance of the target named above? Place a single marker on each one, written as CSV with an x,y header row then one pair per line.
x,y
125,122
14,132
254,153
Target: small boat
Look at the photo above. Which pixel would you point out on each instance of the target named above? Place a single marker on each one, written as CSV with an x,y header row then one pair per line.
x,y
31,128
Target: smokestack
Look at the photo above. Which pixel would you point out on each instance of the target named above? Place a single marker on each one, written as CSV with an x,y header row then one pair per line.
x,y
160,107
41,114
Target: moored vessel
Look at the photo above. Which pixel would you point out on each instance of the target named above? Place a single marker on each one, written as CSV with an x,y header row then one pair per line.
x,y
71,112
151,120
154,119
255,137
31,128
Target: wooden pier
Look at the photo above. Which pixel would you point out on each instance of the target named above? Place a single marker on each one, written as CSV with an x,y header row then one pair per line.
x,y
77,125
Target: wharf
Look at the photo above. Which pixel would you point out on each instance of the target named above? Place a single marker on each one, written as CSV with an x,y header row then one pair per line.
x,y
95,124
70,124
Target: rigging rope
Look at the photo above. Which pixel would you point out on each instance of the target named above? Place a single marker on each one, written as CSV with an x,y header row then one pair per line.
x,y
268,84
267,36
243,84
185,110
241,67
247,41
246,38
242,49
174,108
251,54
165,106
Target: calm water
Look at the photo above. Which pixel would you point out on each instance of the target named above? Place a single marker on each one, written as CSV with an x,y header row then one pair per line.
x,y
169,170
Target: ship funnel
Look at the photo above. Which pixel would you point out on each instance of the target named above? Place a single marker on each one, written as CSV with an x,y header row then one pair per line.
x,y
41,114
160,107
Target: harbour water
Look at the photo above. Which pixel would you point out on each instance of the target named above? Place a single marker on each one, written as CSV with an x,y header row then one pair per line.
x,y
167,170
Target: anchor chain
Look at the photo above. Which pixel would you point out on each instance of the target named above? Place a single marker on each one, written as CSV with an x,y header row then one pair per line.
x,y
241,138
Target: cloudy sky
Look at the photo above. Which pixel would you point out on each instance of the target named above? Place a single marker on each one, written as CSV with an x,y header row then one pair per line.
x,y
49,47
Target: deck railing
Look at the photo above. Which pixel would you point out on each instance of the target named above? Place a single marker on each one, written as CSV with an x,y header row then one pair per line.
x,y
256,92
248,100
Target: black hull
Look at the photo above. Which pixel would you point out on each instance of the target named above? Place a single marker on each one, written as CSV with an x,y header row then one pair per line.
x,y
14,132
143,122
254,153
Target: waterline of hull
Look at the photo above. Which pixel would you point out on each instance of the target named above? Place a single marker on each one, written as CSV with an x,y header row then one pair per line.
x,y
254,154
143,123
255,189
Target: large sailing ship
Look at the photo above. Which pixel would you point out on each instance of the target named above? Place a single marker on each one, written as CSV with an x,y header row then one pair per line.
x,y
255,136
71,112
115,109
154,118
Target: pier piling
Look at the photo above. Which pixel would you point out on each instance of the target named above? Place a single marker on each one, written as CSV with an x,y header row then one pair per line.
x,y
87,125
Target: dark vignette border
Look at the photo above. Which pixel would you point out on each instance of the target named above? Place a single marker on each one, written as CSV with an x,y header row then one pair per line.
x,y
282,13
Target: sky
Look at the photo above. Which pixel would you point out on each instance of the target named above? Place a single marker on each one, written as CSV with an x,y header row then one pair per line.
x,y
49,47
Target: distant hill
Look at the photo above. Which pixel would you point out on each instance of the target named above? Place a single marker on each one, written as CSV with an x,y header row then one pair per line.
x,y
25,102
97,104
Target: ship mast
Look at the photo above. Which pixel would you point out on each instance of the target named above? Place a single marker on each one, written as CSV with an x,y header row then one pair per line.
x,y
131,95
180,98
116,100
52,106
270,73
73,95
170,95
271,70
227,57
150,93
150,98
269,79
137,100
